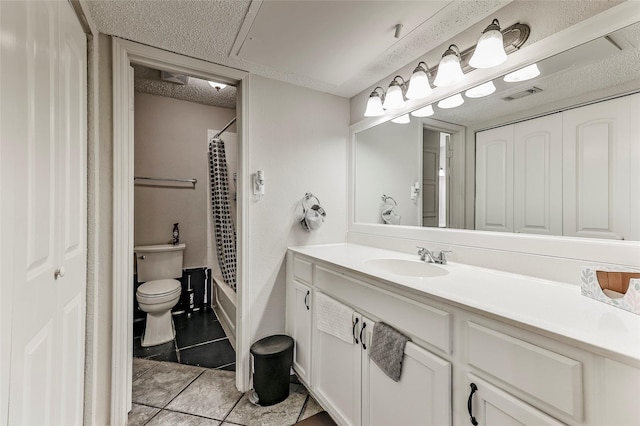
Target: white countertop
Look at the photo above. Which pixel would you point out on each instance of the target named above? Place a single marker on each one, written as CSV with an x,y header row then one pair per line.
x,y
555,307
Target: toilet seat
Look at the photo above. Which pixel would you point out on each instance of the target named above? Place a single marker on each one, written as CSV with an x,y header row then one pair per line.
x,y
159,289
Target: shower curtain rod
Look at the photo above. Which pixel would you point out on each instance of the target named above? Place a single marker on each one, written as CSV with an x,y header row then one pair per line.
x,y
225,128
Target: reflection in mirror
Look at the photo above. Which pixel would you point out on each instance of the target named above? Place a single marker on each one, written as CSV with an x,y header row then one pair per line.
x,y
422,164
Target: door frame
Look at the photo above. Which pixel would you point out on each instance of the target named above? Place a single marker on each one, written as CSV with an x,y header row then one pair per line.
x,y
124,53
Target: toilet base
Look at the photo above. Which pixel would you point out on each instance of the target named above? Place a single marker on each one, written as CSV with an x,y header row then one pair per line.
x,y
159,329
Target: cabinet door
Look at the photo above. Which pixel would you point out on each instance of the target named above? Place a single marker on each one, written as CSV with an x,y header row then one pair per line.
x,y
337,374
492,406
596,169
494,182
301,330
537,179
421,397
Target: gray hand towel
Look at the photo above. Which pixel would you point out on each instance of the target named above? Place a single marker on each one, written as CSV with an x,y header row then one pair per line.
x,y
387,349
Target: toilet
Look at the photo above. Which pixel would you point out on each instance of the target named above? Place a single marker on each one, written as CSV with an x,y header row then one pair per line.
x,y
158,266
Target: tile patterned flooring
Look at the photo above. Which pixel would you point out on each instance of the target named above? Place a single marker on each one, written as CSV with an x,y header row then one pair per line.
x,y
171,385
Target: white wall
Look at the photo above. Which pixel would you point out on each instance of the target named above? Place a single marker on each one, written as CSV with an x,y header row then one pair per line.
x,y
298,137
171,141
382,168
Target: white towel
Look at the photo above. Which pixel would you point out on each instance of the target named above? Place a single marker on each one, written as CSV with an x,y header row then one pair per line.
x,y
334,318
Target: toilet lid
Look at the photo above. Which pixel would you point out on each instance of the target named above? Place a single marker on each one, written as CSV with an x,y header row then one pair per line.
x,y
159,287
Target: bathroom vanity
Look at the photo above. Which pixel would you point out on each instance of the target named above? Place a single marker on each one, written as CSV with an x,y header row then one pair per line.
x,y
499,347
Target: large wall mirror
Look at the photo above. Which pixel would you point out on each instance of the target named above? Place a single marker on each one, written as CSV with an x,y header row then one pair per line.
x,y
447,170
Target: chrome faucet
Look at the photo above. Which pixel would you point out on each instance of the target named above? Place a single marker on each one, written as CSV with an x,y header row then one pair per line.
x,y
440,259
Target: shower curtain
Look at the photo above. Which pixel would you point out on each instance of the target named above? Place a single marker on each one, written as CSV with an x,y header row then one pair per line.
x,y
225,232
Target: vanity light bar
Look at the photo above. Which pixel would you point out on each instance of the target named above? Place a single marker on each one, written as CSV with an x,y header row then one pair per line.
x,y
513,38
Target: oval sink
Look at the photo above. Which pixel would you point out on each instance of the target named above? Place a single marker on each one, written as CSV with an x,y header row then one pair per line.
x,y
407,268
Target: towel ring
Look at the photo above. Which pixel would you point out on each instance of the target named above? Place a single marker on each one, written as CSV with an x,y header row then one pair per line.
x,y
313,214
386,198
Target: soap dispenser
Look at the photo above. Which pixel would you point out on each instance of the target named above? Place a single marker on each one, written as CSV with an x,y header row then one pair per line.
x,y
176,234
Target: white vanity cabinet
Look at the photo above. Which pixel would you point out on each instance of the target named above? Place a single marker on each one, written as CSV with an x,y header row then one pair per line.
x,y
343,378
524,374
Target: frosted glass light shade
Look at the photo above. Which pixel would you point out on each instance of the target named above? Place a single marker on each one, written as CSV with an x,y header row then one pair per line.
x,y
403,119
526,73
449,70
423,112
484,89
374,106
489,51
393,99
451,101
419,86
216,85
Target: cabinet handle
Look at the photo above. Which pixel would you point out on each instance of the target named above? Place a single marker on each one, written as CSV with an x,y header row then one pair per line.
x,y
353,331
306,299
474,388
364,324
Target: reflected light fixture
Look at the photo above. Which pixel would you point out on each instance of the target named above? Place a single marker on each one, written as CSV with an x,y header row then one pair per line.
x,y
484,89
489,51
216,85
374,103
419,86
423,112
523,74
403,119
449,69
451,101
394,97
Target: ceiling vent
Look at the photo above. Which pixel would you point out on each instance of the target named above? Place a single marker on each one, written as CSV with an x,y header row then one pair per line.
x,y
527,92
173,78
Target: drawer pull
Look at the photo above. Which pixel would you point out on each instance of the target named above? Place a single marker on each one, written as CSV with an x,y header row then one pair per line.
x,y
353,331
474,388
306,299
364,324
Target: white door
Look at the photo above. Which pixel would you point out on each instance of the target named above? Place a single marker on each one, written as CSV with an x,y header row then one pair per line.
x,y
537,179
597,159
43,133
430,177
494,179
422,397
301,331
492,406
337,374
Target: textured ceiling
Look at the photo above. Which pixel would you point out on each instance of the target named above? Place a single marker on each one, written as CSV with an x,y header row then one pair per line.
x,y
147,80
208,29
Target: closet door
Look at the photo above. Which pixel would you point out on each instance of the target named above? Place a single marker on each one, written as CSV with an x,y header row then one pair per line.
x,y
597,146
494,179
537,179
42,125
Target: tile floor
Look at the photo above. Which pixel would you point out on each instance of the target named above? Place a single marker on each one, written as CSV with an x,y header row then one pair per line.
x,y
166,393
200,341
191,381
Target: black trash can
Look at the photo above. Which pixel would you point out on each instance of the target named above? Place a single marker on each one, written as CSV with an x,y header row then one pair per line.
x,y
272,359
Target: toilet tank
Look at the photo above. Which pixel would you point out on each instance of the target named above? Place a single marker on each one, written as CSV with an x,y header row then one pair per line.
x,y
159,262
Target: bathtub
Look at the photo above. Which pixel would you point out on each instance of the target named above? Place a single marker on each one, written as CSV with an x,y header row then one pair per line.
x,y
224,303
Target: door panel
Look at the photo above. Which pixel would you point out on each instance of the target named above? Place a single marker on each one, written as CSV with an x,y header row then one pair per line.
x,y
421,397
494,183
537,176
43,127
337,375
302,331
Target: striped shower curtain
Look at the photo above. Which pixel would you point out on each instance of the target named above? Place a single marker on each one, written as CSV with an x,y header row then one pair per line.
x,y
225,232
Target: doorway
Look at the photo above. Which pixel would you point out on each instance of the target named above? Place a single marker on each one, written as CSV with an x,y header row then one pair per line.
x,y
125,54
